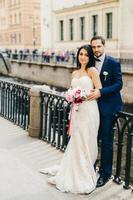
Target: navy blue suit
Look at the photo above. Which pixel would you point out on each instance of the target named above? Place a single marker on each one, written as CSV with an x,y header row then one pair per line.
x,y
109,104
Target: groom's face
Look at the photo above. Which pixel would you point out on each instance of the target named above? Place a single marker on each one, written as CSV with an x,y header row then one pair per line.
x,y
98,47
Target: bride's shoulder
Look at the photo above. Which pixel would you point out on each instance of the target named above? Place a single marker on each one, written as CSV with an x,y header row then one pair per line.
x,y
92,70
74,73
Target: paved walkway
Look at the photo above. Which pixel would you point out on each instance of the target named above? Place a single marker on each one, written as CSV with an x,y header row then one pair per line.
x,y
20,159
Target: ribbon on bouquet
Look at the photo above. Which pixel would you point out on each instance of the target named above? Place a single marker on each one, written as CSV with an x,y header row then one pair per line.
x,y
69,122
70,116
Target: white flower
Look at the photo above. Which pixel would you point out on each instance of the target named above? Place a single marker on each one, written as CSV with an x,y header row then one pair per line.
x,y
105,75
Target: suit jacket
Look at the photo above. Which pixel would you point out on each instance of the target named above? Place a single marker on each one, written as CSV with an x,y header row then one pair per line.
x,y
110,101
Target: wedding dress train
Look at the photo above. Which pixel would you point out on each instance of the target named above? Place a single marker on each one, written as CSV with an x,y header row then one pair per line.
x,y
76,172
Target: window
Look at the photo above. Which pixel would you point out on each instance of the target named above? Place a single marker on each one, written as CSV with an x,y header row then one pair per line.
x,y
71,28
61,30
10,3
95,24
19,18
4,3
11,38
15,19
109,25
10,19
14,37
19,38
82,21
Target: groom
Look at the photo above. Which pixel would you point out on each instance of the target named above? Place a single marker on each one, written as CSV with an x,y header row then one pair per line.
x,y
109,102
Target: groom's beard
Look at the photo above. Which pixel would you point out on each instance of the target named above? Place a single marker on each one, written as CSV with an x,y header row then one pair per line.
x,y
99,55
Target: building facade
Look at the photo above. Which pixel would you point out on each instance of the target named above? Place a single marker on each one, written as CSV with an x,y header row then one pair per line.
x,y
19,24
70,24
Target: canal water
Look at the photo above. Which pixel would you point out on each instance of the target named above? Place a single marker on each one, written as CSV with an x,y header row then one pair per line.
x,y
127,107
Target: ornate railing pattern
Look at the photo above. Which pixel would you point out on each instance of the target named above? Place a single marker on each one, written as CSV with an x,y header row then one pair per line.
x,y
124,151
14,103
54,124
54,118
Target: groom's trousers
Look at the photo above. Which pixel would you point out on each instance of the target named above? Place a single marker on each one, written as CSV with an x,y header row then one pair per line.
x,y
106,135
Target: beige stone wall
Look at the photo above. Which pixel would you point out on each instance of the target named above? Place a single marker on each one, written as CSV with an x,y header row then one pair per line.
x,y
49,74
121,43
60,76
20,24
127,91
126,28
87,10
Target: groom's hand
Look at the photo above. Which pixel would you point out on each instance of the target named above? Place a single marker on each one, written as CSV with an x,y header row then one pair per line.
x,y
94,94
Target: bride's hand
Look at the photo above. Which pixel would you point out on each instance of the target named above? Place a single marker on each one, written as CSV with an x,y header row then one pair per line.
x,y
94,94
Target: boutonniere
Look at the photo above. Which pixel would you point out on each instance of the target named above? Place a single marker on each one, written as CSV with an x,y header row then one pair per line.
x,y
105,75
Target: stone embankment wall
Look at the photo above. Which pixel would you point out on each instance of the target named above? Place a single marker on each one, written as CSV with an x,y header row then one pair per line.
x,y
60,76
50,74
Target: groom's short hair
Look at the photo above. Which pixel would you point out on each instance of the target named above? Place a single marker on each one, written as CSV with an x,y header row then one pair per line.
x,y
98,38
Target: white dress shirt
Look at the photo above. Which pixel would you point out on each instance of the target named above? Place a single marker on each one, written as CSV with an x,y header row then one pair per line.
x,y
99,64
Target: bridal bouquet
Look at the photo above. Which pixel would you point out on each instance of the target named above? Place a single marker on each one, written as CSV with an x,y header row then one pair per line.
x,y
76,96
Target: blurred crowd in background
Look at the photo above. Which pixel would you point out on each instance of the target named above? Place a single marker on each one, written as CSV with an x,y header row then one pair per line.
x,y
42,56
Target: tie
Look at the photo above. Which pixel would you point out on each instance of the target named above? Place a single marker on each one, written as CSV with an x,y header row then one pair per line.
x,y
97,59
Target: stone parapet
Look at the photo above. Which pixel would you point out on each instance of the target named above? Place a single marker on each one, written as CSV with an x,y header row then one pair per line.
x,y
35,109
34,127
50,74
60,76
127,91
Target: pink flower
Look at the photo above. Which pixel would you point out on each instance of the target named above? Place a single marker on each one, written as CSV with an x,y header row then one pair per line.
x,y
70,95
76,96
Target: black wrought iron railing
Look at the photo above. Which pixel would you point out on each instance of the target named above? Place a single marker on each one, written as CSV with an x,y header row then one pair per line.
x,y
14,103
54,118
54,124
123,156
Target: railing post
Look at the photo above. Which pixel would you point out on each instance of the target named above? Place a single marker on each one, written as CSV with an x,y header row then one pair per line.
x,y
117,177
34,125
128,158
124,123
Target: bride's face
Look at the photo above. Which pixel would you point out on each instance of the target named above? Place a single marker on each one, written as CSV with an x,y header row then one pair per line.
x,y
83,57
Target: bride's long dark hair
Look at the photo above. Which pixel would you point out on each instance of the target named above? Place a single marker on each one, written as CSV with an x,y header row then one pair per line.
x,y
90,53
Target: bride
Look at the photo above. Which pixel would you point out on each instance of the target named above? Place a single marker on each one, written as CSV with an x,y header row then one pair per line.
x,y
76,173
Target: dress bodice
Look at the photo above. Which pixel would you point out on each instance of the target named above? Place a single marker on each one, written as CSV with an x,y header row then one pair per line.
x,y
83,82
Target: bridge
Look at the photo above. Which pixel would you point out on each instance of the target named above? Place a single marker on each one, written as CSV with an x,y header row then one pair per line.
x,y
5,66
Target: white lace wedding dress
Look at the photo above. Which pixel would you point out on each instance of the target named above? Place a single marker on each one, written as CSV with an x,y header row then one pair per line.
x,y
76,173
